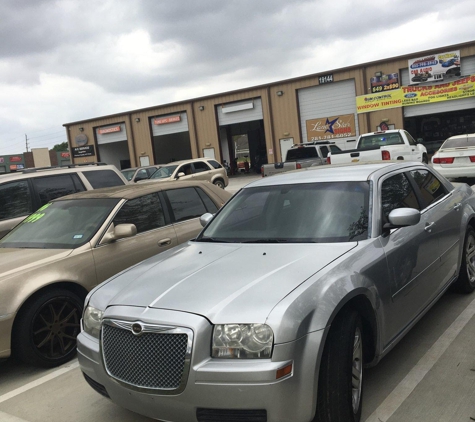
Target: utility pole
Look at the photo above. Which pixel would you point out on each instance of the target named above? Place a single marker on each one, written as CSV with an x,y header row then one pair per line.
x,y
26,140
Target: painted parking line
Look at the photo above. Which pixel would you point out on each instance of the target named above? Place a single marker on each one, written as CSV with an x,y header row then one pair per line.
x,y
420,370
5,417
38,382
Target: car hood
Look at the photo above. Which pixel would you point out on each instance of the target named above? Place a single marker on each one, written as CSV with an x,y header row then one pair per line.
x,y
223,282
14,260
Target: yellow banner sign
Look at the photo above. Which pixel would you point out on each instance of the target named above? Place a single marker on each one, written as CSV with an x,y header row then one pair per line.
x,y
417,95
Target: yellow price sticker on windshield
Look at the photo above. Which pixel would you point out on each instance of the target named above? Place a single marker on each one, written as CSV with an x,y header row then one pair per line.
x,y
37,215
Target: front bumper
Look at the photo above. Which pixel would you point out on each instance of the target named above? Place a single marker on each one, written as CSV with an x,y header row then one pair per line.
x,y
247,385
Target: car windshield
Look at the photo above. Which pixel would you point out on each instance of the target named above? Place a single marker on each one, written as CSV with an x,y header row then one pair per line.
x,y
465,142
163,172
313,212
61,224
128,174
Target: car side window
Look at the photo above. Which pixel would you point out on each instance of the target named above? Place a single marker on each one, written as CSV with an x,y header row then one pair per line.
x,y
431,188
324,151
185,168
410,139
215,164
200,166
397,192
52,187
103,178
185,203
145,212
151,170
15,200
210,205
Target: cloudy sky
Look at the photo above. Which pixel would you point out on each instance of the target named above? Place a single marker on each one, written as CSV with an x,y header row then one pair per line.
x,y
68,60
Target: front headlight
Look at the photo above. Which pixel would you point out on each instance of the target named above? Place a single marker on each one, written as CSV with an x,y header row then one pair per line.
x,y
92,321
242,341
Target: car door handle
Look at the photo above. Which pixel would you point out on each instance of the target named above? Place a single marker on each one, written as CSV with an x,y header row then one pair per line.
x,y
457,206
429,226
164,242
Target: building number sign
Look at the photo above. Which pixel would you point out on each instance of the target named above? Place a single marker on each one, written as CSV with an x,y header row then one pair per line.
x,y
325,79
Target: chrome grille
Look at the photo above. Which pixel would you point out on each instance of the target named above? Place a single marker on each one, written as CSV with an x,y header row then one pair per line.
x,y
156,359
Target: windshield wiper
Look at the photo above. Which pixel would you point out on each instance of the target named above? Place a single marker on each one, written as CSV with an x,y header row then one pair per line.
x,y
266,241
212,239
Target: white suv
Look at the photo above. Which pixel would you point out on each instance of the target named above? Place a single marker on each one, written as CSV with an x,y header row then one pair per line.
x,y
25,191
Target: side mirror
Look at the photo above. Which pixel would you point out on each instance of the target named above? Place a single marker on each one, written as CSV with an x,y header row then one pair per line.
x,y
181,174
205,219
403,217
120,231
139,178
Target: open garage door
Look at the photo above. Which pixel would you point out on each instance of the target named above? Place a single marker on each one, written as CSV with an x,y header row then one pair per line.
x,y
171,138
242,135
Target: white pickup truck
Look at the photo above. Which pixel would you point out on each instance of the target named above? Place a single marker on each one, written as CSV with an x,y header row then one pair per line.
x,y
394,144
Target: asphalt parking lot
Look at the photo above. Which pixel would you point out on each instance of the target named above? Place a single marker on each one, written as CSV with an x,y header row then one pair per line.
x,y
429,376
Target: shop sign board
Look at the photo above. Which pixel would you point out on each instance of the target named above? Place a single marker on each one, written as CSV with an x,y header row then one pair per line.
x,y
65,155
384,83
327,128
105,130
165,120
2,160
417,95
85,151
15,159
434,67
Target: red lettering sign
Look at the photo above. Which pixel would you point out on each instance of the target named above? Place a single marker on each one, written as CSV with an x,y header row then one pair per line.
x,y
109,130
65,155
165,120
15,159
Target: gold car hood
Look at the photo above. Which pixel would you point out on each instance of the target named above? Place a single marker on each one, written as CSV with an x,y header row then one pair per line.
x,y
13,260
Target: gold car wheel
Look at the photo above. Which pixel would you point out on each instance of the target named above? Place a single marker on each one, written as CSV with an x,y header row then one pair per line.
x,y
46,330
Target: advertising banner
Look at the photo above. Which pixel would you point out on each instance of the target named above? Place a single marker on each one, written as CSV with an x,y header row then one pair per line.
x,y
335,127
108,130
166,120
417,95
384,82
435,67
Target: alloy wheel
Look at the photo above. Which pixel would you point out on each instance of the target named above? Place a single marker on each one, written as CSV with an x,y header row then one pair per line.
x,y
470,258
357,371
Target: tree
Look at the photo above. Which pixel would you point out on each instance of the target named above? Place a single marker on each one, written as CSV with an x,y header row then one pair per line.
x,y
63,146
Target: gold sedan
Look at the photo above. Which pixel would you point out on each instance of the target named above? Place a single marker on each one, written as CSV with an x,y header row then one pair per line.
x,y
55,256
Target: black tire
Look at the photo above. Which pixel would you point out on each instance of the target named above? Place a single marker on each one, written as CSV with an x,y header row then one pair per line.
x,y
340,383
219,183
45,331
466,279
425,159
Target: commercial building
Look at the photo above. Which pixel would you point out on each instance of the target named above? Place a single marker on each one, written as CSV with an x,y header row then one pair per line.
x,y
429,93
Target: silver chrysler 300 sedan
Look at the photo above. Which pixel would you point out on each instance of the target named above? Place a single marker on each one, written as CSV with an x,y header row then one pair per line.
x,y
291,289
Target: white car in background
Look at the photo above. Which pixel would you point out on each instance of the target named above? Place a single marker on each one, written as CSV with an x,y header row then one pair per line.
x,y
456,157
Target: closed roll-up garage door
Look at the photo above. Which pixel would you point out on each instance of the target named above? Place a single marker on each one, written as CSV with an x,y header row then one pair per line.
x,y
111,133
327,100
239,112
467,68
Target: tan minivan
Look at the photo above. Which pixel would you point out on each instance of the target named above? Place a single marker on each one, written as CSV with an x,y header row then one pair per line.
x,y
56,255
205,169
24,191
